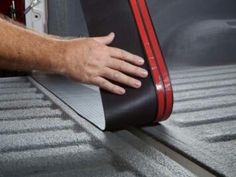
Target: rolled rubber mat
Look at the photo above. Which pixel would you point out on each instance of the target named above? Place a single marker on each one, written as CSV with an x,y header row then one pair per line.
x,y
152,103
131,22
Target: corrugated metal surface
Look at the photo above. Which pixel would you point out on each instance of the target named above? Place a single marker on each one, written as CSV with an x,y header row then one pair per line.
x,y
40,136
203,124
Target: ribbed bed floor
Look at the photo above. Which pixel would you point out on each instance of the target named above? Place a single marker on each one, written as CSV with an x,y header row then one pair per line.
x,y
203,124
41,137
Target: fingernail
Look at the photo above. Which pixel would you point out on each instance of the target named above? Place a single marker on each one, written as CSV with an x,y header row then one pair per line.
x,y
141,61
122,91
137,84
144,73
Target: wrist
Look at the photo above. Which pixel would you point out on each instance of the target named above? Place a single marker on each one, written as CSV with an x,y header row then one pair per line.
x,y
57,58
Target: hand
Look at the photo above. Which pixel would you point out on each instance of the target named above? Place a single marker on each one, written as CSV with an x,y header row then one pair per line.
x,y
91,61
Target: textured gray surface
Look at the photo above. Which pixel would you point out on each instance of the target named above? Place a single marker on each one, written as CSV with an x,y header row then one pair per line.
x,y
195,33
69,91
202,126
47,140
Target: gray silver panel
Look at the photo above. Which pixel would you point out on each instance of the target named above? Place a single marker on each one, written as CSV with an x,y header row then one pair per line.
x,y
85,100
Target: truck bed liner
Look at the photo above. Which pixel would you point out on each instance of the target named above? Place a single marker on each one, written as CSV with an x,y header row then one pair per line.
x,y
202,126
41,136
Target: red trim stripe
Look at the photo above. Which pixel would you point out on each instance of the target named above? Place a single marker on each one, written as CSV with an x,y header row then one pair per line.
x,y
152,62
159,58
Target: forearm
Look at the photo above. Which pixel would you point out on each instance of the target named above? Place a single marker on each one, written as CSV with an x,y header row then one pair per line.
x,y
23,49
88,60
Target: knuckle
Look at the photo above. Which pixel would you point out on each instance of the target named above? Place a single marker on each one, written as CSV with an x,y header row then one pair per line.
x,y
110,62
132,69
116,75
102,83
134,57
122,65
113,88
125,79
104,48
90,74
122,54
99,71
137,70
130,81
84,80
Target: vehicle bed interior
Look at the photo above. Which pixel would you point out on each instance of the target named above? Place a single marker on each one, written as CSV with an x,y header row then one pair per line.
x,y
42,135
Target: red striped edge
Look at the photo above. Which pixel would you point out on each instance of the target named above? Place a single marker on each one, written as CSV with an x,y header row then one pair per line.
x,y
159,58
152,62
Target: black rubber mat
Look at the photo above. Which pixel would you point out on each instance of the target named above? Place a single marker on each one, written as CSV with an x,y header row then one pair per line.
x,y
136,107
191,33
42,137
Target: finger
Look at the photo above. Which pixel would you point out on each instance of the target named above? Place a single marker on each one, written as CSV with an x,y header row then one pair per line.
x,y
106,40
106,85
121,78
126,56
127,68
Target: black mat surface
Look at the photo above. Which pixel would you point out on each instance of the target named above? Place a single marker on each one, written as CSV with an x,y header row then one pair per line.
x,y
137,106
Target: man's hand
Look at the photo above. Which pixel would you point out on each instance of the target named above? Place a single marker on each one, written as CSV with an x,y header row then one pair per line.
x,y
88,60
91,61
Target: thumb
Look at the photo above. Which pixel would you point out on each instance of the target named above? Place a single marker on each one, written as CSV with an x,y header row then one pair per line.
x,y
106,40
